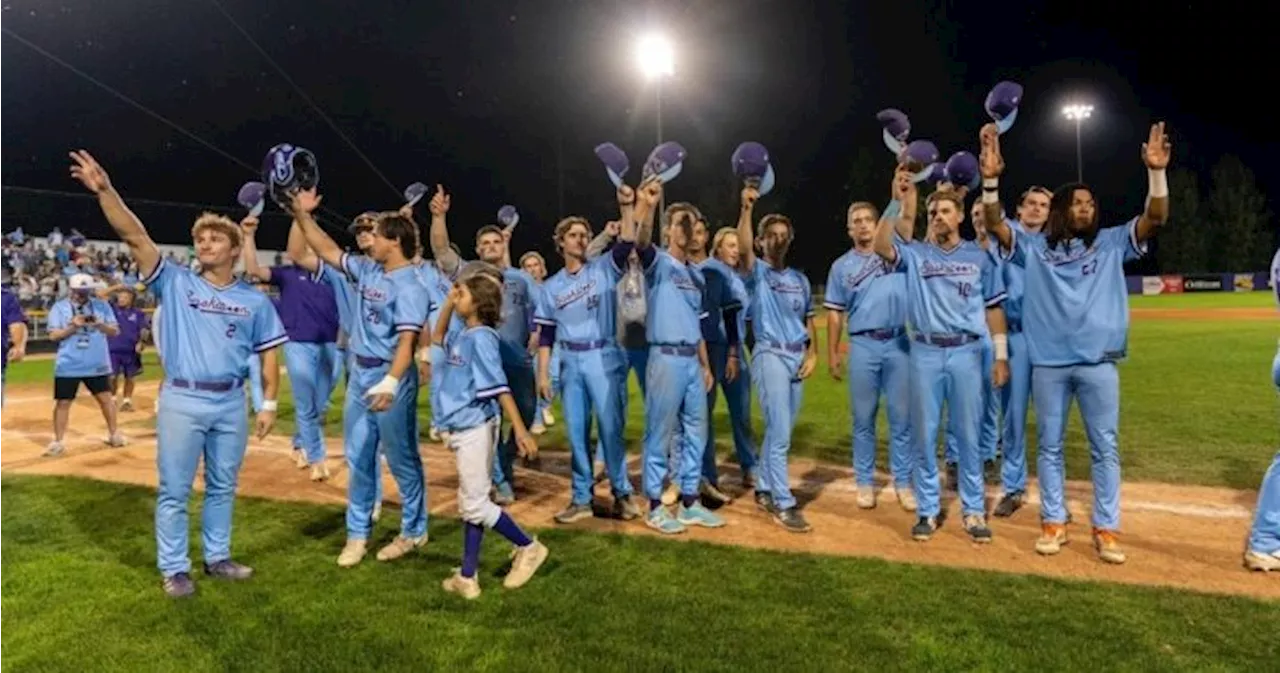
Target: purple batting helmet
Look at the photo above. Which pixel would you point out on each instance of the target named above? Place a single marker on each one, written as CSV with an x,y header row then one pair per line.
x,y
288,169
751,163
1002,104
414,193
616,163
962,170
252,197
897,128
508,216
664,162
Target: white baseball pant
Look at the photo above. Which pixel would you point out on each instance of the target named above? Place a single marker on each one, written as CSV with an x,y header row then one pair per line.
x,y
474,450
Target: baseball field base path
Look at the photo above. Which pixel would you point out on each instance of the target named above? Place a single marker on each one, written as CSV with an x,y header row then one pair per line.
x,y
1177,536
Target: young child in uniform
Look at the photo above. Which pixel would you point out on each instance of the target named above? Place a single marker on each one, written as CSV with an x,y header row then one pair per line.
x,y
466,403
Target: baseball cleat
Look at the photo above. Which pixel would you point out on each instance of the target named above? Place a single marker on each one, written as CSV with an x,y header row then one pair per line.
x,y
792,520
1256,560
662,521
300,459
115,440
712,492
547,419
434,434
670,494
625,508
320,472
697,515
1052,537
538,429
764,502
976,526
1009,503
924,529
1107,542
906,498
574,513
55,448
525,561
352,553
400,546
126,405
467,587
866,497
179,585
503,495
226,569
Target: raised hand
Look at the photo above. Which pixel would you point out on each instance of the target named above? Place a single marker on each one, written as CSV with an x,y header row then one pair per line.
x,y
626,195
990,161
439,204
1157,150
89,172
249,225
749,196
305,200
406,211
904,189
650,193
613,228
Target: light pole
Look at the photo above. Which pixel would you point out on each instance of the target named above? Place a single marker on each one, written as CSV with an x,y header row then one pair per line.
x,y
656,60
1078,113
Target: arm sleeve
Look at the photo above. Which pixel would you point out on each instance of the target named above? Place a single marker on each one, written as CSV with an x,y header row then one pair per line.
x,y
486,365
835,296
411,309
993,291
547,335
268,331
620,252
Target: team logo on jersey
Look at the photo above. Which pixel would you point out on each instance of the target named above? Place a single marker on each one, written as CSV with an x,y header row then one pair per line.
x,y
871,269
215,305
1074,253
455,358
783,285
933,269
575,293
373,293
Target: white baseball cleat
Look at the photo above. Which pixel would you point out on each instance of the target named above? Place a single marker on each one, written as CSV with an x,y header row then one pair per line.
x,y
352,553
300,458
906,498
115,440
867,497
55,448
547,419
320,472
1256,560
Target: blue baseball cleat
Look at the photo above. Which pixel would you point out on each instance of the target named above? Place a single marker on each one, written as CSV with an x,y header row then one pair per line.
x,y
697,515
662,521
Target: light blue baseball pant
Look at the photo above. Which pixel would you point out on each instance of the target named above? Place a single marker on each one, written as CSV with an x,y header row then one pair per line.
x,y
989,430
190,426
1096,388
1264,536
255,382
397,430
595,381
637,360
339,365
777,377
947,374
675,397
310,367
554,367
877,366
520,378
737,395
1015,400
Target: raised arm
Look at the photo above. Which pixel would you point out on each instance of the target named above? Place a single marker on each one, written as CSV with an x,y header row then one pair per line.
x,y
446,259
1155,154
905,193
304,202
249,227
992,165
746,227
126,225
298,251
603,240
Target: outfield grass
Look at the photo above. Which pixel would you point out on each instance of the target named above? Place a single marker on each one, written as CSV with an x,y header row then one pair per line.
x,y
1197,403
80,586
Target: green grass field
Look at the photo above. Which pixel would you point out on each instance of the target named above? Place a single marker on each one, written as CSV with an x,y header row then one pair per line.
x,y
80,585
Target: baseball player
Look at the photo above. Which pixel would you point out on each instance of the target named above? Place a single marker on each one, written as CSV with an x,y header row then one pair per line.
x,y
381,404
725,297
533,264
576,314
211,325
953,300
785,351
310,315
1263,551
467,401
13,325
871,296
256,391
1076,321
516,328
679,372
81,324
726,250
126,346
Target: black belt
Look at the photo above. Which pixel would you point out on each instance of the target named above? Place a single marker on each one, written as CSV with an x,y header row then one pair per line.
x,y
683,350
207,386
881,334
370,363
946,340
793,347
1014,325
581,346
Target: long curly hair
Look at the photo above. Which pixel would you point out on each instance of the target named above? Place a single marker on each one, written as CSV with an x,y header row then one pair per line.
x,y
1058,226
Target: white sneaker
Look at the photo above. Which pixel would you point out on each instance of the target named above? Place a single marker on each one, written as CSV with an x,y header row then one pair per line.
x,y
300,459
126,404
867,497
55,448
906,498
400,546
352,553
538,428
547,418
525,561
467,587
320,472
1256,560
116,440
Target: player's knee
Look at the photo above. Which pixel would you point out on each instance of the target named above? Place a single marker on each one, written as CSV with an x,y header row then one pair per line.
x,y
478,512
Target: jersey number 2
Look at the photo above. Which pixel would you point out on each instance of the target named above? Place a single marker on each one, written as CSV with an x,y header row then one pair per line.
x,y
231,331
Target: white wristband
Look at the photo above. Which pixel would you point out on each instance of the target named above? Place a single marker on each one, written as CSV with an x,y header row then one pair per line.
x,y
1000,344
424,354
1157,183
270,405
387,386
990,196
991,183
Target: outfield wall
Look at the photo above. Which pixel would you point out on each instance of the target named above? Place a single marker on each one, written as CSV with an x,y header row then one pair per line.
x,y
1199,282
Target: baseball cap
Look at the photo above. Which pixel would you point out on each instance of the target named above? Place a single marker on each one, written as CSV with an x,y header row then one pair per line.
x,y
82,281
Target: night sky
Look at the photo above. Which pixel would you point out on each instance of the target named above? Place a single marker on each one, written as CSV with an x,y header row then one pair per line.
x,y
503,101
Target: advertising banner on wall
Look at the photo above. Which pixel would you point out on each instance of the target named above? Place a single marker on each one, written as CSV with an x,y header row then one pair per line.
x,y
1172,284
1244,282
1202,283
1152,285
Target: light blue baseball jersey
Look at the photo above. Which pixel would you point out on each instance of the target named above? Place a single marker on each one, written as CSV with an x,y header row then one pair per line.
x,y
871,292
85,352
1076,308
581,306
781,303
344,293
210,331
724,291
466,394
949,290
438,286
387,304
1275,276
675,293
519,303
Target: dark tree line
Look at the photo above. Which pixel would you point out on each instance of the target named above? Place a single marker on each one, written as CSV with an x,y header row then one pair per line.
x,y
1226,228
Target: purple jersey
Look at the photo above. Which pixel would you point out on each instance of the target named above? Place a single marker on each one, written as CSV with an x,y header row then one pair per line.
x,y
132,321
306,305
12,314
